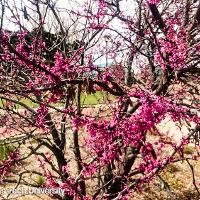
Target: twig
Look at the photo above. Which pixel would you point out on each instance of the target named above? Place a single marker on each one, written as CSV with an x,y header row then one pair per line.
x,y
193,177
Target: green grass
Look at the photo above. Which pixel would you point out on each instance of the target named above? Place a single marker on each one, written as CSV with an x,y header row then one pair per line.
x,y
26,101
96,98
40,180
5,150
86,99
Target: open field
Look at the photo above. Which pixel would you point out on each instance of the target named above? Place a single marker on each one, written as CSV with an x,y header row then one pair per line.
x,y
86,99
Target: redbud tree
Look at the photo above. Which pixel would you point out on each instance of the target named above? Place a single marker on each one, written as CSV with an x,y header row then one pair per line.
x,y
50,54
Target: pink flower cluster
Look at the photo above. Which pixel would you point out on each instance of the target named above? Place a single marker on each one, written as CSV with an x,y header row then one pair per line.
x,y
67,186
173,47
153,1
40,117
6,164
115,135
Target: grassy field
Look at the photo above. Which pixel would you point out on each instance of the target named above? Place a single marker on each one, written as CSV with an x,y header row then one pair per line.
x,y
86,99
96,98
